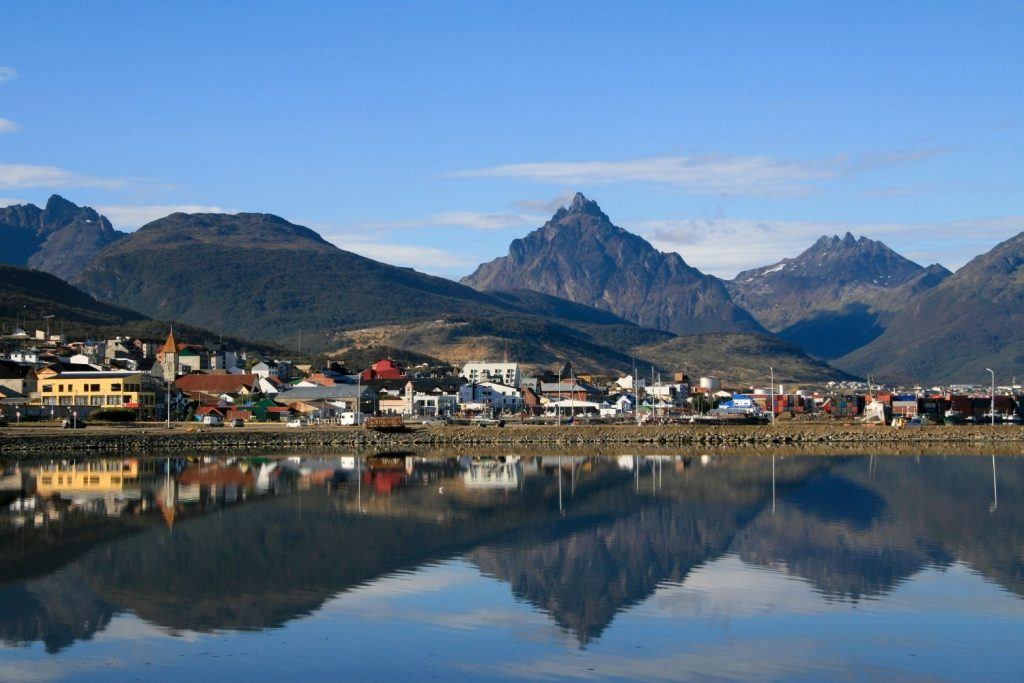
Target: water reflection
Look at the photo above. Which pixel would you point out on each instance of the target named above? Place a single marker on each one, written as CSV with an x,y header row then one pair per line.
x,y
213,544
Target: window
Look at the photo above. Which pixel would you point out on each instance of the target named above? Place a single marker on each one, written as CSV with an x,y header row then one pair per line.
x,y
94,387
113,400
47,388
80,401
60,388
115,387
65,400
95,400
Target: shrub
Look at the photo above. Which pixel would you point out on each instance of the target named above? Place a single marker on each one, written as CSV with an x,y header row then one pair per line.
x,y
113,415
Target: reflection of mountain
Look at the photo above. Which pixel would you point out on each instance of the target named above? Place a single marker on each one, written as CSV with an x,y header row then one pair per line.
x,y
585,578
56,610
851,527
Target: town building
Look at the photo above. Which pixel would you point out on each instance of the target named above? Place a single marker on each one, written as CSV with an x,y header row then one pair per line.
x,y
94,390
503,372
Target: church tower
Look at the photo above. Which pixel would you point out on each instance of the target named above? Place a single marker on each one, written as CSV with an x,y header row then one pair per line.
x,y
168,357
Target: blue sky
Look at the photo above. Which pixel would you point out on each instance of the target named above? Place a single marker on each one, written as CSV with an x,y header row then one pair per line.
x,y
432,134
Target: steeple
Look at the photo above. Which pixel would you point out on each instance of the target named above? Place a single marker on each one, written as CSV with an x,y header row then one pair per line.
x,y
171,345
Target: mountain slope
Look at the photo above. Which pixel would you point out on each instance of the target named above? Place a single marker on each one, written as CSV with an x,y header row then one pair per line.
x,y
952,332
262,276
29,295
581,256
740,359
60,239
836,296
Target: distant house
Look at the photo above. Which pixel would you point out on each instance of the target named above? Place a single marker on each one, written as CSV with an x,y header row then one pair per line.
x,y
207,389
343,397
565,390
490,396
383,369
19,378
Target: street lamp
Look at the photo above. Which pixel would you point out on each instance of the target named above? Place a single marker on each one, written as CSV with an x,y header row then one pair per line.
x,y
992,409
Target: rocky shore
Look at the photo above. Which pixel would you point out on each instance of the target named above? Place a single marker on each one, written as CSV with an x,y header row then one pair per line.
x,y
17,442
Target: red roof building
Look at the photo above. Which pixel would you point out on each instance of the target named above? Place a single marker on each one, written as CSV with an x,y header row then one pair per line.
x,y
383,369
208,388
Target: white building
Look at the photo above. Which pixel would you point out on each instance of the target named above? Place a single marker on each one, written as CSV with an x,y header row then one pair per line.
x,y
710,383
499,397
492,371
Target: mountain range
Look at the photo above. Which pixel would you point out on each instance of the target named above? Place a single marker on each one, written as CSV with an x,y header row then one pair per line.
x,y
836,296
970,321
578,287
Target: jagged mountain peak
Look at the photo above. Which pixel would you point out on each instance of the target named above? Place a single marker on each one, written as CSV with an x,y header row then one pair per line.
x,y
838,293
60,239
580,206
580,255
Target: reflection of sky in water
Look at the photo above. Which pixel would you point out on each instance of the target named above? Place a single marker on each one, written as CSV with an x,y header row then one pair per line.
x,y
897,571
726,620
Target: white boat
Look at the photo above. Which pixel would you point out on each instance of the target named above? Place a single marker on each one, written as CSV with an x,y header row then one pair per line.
x,y
874,412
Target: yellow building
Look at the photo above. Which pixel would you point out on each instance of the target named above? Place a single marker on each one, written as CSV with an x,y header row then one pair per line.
x,y
94,390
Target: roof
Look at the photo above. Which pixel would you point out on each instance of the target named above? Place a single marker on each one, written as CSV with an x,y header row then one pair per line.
x,y
207,410
170,346
10,369
99,374
219,384
547,387
321,393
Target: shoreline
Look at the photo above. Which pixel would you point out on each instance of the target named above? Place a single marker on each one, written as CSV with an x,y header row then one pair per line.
x,y
42,440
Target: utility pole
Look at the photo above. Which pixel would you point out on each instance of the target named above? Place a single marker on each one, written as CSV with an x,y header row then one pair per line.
x,y
992,409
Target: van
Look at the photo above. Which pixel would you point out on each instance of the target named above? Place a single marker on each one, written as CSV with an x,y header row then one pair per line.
x,y
351,418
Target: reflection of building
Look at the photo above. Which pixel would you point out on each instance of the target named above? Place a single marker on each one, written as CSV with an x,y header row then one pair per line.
x,y
104,486
492,474
94,476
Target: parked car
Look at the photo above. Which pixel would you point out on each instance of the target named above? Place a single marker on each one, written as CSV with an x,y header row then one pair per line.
x,y
73,424
213,420
237,422
296,422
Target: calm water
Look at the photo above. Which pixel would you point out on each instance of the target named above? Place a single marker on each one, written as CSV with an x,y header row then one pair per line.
x,y
410,568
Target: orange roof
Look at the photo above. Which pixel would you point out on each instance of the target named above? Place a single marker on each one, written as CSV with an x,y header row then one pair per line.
x,y
170,346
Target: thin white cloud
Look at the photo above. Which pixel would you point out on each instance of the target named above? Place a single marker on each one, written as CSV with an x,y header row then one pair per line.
x,y
724,246
467,220
7,73
129,216
427,259
8,201
756,175
28,175
546,206
8,126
